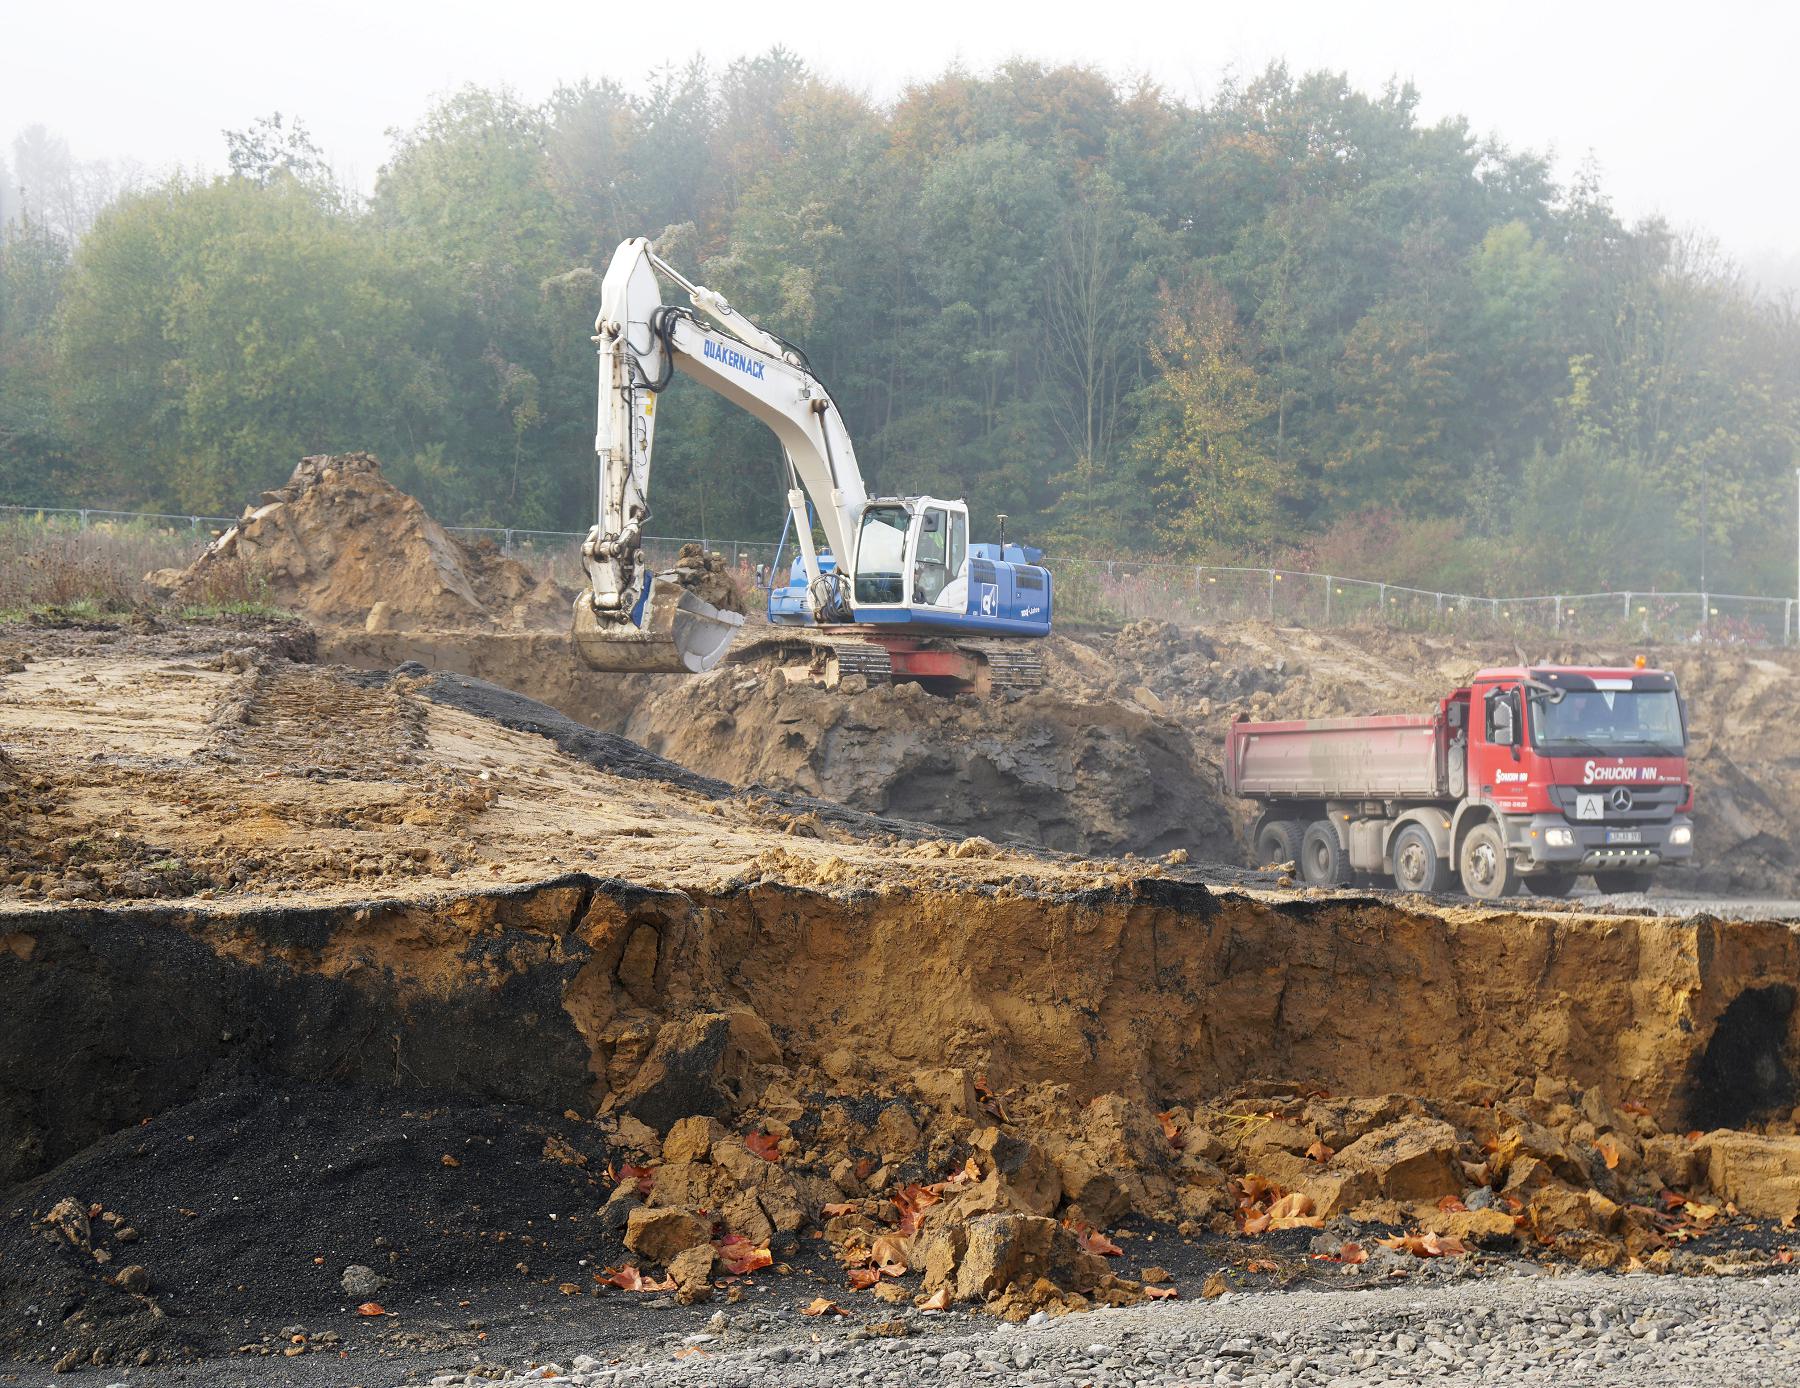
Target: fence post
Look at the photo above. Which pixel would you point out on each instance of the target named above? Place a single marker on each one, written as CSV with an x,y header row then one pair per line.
x,y
1271,595
1327,599
1705,608
1381,598
1627,612
1557,624
84,518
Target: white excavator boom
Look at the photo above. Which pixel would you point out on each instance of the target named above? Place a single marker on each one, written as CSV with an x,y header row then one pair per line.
x,y
630,619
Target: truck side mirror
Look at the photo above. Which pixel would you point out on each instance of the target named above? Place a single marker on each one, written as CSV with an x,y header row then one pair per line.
x,y
1501,729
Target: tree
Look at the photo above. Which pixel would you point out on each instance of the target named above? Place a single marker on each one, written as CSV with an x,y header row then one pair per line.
x,y
1221,484
215,332
270,150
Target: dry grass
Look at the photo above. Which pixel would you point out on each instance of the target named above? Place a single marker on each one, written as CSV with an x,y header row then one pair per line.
x,y
98,570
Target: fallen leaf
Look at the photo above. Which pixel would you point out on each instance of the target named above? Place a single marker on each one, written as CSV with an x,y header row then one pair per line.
x,y
370,1308
1633,1106
1451,1205
1425,1245
937,1301
1159,1293
1353,1253
1096,1242
449,1160
1257,1224
765,1145
686,1351
1261,1265
629,1279
1786,1255
1320,1152
861,1279
1215,1285
1608,1147
567,1288
838,1207
820,1306
910,1201
1289,1206
643,1176
740,1256
892,1248
1170,1130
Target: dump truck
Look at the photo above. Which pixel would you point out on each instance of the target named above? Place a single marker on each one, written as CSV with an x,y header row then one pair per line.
x,y
1526,777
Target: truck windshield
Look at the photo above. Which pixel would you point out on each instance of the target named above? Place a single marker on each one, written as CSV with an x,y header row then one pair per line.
x,y
881,555
1644,721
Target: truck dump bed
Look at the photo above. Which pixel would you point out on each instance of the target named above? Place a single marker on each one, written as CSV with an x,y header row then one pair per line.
x,y
1338,758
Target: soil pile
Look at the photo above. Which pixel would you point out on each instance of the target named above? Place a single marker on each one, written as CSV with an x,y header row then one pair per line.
x,y
162,1241
340,544
708,577
1077,773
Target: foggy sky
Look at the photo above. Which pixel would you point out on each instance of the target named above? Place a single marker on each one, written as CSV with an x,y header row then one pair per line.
x,y
1689,111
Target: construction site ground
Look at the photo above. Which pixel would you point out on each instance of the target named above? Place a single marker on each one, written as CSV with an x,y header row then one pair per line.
x,y
388,1000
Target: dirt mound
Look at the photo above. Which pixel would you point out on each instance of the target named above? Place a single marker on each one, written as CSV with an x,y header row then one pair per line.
x,y
1080,774
249,1204
341,544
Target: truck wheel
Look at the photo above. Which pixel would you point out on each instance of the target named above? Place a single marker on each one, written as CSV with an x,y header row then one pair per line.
x,y
1614,882
1551,883
1278,841
1417,867
1323,862
1486,869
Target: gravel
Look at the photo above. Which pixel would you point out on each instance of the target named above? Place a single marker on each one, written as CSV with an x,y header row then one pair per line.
x,y
1563,1330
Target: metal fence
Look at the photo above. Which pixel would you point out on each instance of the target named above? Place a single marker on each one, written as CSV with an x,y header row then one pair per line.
x,y
1196,594
1122,590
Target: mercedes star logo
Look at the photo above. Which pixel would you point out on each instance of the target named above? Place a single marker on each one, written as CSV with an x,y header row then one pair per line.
x,y
1620,799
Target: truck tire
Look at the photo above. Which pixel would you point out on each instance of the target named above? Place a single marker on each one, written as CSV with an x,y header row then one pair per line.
x,y
1417,867
1613,883
1551,883
1278,841
1485,866
1323,862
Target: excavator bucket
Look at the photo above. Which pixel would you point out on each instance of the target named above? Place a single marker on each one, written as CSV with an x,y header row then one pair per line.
x,y
682,634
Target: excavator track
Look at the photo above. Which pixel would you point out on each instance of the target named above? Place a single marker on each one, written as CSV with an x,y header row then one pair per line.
x,y
1010,664
957,662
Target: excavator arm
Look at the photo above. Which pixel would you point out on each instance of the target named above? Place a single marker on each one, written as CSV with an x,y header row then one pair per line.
x,y
631,619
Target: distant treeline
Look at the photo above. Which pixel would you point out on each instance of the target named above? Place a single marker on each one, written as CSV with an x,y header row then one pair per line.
x,y
1292,320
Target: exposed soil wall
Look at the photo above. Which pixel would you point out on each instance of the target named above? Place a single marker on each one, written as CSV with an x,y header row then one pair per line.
x,y
551,995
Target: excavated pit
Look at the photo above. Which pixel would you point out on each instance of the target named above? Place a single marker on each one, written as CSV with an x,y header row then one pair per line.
x,y
1166,992
460,963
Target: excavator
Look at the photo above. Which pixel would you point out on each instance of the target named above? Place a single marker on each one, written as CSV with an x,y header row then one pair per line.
x,y
902,593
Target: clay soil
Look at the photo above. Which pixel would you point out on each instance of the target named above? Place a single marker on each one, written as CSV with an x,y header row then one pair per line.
x,y
337,927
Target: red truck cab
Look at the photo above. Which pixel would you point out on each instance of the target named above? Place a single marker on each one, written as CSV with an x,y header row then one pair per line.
x,y
1584,769
1532,775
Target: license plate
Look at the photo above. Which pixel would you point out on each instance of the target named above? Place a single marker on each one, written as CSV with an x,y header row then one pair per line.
x,y
1624,835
